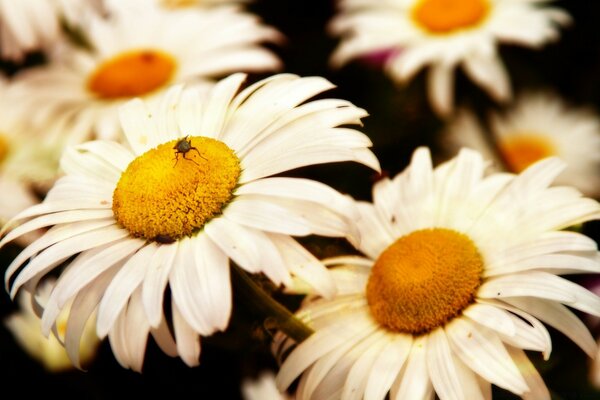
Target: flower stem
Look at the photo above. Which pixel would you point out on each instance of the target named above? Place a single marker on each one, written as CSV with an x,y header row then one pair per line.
x,y
264,304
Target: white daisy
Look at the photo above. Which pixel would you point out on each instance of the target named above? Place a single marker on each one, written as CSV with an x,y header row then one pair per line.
x,y
139,54
172,4
28,25
190,192
26,328
28,166
539,125
459,270
444,34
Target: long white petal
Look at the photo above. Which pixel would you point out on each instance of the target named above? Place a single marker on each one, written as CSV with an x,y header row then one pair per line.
x,y
414,382
127,280
441,367
387,366
155,282
537,387
188,341
482,351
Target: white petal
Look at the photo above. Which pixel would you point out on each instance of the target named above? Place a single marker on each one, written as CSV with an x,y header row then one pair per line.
x,y
489,73
442,371
482,351
491,317
218,103
137,329
387,366
188,341
64,249
155,282
560,318
440,89
346,327
214,286
304,265
163,338
545,286
128,279
185,284
414,382
81,310
139,125
74,279
357,378
537,387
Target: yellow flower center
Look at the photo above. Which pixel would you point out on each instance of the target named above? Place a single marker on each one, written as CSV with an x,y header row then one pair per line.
x,y
172,190
445,16
423,280
520,151
179,3
132,74
4,147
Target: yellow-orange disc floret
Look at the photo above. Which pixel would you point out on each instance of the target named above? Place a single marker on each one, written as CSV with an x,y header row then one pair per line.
x,y
4,148
131,74
522,150
423,280
159,197
446,16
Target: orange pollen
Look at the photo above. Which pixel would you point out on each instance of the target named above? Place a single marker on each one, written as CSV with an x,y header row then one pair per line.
x,y
446,16
424,280
522,150
132,74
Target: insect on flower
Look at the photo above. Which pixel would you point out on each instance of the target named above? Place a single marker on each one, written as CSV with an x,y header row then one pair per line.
x,y
183,146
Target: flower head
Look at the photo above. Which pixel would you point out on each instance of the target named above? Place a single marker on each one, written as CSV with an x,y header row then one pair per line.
x,y
29,25
459,270
192,190
537,126
139,53
444,34
26,327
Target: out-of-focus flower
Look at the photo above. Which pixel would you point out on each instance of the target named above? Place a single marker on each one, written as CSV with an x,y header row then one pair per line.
x,y
459,270
262,388
172,4
138,53
26,328
537,126
28,164
192,190
443,34
30,25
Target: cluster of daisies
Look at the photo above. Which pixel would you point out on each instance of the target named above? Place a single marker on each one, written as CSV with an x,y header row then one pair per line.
x,y
141,166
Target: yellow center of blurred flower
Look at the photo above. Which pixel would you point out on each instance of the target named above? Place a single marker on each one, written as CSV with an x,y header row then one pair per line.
x,y
172,190
445,16
423,280
131,74
4,147
179,3
520,151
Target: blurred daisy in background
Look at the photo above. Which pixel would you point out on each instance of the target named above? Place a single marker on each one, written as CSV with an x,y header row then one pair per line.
x,y
174,4
459,270
32,25
443,34
262,388
538,125
138,53
26,328
192,190
28,164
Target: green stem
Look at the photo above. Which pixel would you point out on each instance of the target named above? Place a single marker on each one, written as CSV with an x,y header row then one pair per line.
x,y
268,307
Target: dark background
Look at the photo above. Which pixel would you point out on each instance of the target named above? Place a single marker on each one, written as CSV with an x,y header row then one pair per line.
x,y
400,120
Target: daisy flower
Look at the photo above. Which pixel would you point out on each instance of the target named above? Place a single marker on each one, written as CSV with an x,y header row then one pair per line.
x,y
175,4
459,270
539,125
29,25
26,328
28,165
443,34
139,53
191,191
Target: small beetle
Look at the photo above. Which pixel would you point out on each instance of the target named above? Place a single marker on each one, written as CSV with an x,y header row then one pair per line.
x,y
183,146
164,239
